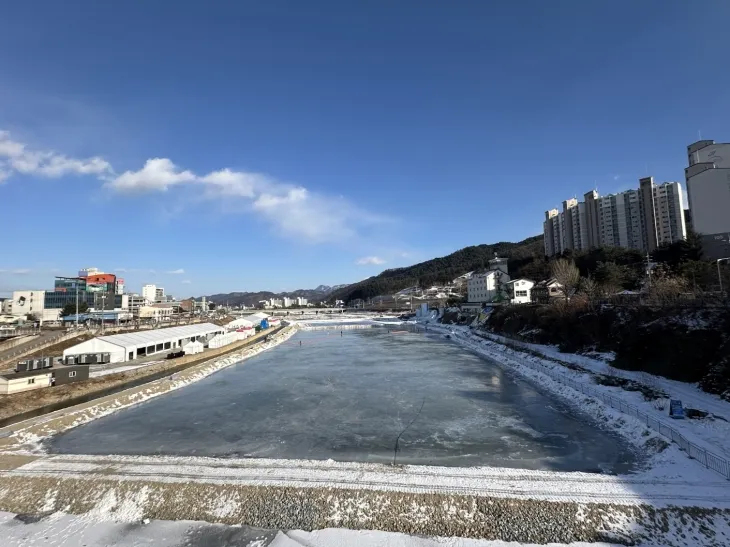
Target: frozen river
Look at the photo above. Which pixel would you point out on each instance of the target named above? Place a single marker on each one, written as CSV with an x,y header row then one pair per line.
x,y
324,394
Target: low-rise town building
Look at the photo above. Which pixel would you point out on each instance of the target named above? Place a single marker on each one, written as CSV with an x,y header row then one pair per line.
x,y
520,291
546,291
489,286
15,382
156,313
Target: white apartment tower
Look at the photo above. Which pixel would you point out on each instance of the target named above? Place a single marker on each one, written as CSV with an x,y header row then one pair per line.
x,y
553,233
635,219
708,192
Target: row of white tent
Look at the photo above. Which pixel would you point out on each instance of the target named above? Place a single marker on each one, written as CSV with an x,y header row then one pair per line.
x,y
229,338
249,322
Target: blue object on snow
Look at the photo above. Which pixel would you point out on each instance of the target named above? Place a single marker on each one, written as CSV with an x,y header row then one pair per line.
x,y
675,409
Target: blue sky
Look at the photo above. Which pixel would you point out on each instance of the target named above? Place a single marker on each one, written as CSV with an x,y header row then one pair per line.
x,y
280,145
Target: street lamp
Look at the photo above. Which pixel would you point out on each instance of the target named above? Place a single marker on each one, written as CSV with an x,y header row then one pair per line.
x,y
103,307
719,276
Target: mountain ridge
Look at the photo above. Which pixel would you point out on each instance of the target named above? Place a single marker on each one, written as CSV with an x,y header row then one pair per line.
x,y
526,258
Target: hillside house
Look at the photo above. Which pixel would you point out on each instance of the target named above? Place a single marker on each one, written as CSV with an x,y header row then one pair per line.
x,y
546,291
489,286
520,291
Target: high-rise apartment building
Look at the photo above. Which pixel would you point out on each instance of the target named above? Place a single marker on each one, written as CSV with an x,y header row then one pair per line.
x,y
708,191
635,219
159,294
553,233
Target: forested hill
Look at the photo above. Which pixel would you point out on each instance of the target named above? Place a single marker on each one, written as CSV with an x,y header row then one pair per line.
x,y
526,259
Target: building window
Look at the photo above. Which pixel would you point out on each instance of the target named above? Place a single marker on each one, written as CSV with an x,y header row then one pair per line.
x,y
72,374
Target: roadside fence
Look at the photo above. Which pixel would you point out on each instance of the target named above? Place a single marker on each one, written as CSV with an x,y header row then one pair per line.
x,y
25,348
702,455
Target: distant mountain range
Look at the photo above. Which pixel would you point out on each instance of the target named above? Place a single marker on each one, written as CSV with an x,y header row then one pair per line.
x,y
315,296
525,259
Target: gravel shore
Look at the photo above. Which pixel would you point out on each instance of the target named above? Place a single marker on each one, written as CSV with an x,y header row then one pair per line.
x,y
413,513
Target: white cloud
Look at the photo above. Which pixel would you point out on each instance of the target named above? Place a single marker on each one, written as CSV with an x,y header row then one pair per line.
x,y
21,271
18,158
157,174
234,183
120,270
186,282
179,271
293,211
370,260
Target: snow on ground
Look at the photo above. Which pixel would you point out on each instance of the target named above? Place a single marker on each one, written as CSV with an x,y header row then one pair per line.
x,y
678,483
115,370
63,530
690,394
711,434
337,537
669,462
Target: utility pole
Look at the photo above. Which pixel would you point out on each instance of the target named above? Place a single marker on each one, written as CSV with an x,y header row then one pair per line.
x,y
103,307
719,274
77,303
648,269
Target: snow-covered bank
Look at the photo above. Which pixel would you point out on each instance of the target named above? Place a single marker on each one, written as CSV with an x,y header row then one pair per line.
x,y
690,394
712,434
494,482
611,405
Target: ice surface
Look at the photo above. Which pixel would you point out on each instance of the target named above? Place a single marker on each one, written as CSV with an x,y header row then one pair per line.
x,y
347,396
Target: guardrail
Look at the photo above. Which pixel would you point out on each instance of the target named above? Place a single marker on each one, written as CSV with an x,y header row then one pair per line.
x,y
25,349
702,455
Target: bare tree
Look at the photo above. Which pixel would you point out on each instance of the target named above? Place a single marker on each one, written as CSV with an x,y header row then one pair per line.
x,y
567,274
592,290
667,288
